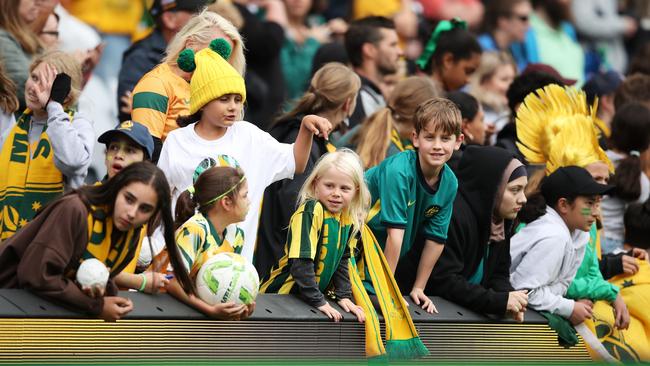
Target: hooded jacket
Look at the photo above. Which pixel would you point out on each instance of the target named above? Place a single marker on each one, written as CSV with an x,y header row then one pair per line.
x,y
280,199
480,173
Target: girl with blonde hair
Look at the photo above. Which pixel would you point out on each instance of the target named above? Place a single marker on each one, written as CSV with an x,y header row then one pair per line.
x,y
389,130
163,94
332,94
326,228
49,149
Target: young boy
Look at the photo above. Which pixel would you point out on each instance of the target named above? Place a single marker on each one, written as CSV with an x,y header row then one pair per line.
x,y
129,142
413,192
547,253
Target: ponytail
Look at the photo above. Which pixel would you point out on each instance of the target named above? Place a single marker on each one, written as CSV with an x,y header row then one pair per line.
x,y
373,138
184,121
535,206
626,179
185,208
309,103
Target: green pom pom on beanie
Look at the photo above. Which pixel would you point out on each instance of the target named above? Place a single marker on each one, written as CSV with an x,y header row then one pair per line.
x,y
222,47
186,60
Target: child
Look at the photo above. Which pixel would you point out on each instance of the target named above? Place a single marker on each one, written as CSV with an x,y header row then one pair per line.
x,y
129,142
637,227
49,149
413,192
451,55
547,253
331,207
332,94
204,216
630,139
327,226
389,130
102,221
214,127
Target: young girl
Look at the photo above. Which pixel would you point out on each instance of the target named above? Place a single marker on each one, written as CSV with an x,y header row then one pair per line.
x,y
204,217
331,211
325,229
103,222
214,127
473,126
629,139
332,95
49,149
389,130
451,55
489,85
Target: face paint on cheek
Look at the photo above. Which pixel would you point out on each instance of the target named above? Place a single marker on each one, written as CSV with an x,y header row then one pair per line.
x,y
586,212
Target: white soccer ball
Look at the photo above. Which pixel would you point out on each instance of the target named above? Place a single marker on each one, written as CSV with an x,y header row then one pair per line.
x,y
227,277
92,273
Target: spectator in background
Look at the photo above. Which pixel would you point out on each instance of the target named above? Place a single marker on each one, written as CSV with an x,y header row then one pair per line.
x,y
506,28
49,35
630,138
373,49
451,55
18,43
473,125
635,88
470,10
603,85
145,54
305,32
556,38
264,35
163,94
8,102
639,62
489,85
603,31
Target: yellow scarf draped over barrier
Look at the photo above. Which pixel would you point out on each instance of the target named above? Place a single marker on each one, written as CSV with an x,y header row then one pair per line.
x,y
402,340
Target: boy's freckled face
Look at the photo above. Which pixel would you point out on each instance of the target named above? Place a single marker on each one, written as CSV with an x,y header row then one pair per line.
x,y
435,147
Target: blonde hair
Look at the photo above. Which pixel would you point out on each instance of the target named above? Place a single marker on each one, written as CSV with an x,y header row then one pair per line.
x,y
490,63
11,21
63,63
329,88
347,162
199,29
374,136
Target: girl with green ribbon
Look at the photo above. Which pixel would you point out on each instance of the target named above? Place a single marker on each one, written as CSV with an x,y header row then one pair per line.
x,y
451,55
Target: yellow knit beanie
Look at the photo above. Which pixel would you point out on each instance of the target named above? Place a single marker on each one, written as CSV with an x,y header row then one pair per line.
x,y
212,75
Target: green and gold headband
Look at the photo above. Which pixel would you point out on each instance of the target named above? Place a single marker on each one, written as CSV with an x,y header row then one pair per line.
x,y
444,26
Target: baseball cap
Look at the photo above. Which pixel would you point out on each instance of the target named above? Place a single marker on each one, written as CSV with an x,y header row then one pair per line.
x,y
133,130
547,69
572,181
161,6
602,83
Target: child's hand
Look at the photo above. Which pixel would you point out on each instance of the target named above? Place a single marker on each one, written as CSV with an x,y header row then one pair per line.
x,y
227,311
331,313
94,292
419,298
351,307
517,301
250,308
155,280
621,313
115,308
630,265
517,316
319,126
46,77
581,312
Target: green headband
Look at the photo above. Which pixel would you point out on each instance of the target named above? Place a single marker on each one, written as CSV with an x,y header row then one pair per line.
x,y
430,48
224,194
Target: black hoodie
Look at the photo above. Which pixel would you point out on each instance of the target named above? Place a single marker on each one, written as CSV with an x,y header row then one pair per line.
x,y
479,174
280,199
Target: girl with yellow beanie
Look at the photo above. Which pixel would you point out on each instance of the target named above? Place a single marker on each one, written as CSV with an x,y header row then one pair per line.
x,y
214,127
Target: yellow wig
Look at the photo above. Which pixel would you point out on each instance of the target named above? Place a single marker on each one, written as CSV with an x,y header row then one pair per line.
x,y
556,128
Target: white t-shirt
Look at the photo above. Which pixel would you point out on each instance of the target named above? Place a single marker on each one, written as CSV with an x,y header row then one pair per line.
x,y
263,159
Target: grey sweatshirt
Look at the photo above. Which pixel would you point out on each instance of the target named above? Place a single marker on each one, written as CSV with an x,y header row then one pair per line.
x,y
545,259
72,142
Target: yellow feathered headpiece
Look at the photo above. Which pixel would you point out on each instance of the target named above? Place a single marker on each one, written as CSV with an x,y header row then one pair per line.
x,y
555,128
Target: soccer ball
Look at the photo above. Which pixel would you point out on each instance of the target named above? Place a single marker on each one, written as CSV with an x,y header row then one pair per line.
x,y
227,277
92,273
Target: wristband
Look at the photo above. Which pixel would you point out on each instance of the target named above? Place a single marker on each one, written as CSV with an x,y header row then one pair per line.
x,y
144,282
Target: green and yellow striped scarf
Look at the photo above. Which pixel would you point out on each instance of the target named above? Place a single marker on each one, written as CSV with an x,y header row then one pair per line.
x,y
28,177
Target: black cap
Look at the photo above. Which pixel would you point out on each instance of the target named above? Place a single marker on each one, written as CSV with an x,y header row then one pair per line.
x,y
602,83
572,181
161,6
